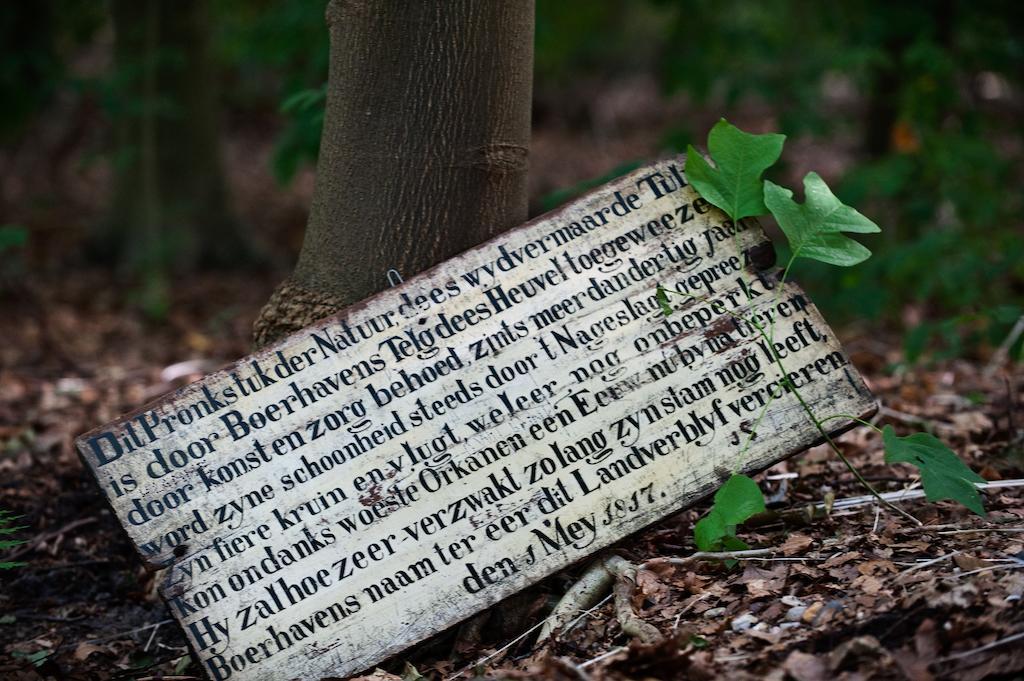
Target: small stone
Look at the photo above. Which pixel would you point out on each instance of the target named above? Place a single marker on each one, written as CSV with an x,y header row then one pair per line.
x,y
795,613
743,622
811,613
791,600
714,612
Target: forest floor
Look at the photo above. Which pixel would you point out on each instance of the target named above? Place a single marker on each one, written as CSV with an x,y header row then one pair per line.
x,y
854,592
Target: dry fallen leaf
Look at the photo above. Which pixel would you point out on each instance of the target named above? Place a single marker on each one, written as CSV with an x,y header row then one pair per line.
x,y
805,667
967,562
84,650
796,543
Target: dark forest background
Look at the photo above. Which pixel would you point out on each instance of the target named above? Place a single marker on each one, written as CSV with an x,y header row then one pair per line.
x,y
156,171
144,141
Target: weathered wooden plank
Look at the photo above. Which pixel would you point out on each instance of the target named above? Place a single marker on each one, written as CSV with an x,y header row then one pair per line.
x,y
379,476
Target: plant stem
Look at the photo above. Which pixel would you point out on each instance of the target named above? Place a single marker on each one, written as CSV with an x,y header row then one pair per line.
x,y
818,423
828,438
853,418
757,423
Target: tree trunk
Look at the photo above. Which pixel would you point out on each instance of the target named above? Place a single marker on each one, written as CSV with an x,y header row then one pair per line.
x,y
169,205
424,150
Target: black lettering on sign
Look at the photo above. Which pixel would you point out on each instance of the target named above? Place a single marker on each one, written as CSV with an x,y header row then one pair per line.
x,y
388,472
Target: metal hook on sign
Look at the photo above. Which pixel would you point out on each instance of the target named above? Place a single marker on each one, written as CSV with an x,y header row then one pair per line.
x,y
394,278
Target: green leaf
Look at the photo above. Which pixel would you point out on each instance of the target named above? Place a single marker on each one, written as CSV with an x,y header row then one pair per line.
x,y
709,530
304,100
735,501
815,228
943,474
738,499
662,298
37,658
731,542
735,184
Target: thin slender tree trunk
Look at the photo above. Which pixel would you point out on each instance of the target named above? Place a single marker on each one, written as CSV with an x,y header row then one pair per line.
x,y
424,150
170,207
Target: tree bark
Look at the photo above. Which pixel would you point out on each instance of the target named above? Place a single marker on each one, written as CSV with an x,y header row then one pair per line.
x,y
424,150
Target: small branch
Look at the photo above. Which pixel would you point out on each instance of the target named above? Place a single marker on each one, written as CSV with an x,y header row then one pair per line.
x,y
987,646
910,494
497,652
927,563
984,529
1003,352
913,419
602,656
41,539
708,555
570,668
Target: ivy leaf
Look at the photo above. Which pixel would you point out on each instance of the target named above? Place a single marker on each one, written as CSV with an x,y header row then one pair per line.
x,y
735,185
815,229
709,531
739,499
735,502
943,474
662,298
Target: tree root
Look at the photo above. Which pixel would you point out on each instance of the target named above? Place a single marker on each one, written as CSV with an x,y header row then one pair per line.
x,y
618,575
291,307
623,590
608,573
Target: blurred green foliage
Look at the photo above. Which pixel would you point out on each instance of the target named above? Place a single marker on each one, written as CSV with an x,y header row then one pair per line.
x,y
919,101
38,39
279,47
923,96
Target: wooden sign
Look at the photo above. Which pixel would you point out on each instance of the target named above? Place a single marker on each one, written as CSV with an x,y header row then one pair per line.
x,y
383,474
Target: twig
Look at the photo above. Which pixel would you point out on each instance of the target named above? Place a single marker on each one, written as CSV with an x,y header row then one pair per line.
x,y
984,529
907,495
709,555
123,634
981,649
497,652
926,563
46,618
571,667
602,656
41,539
688,607
151,635
990,568
585,613
904,417
1011,402
68,566
1003,351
